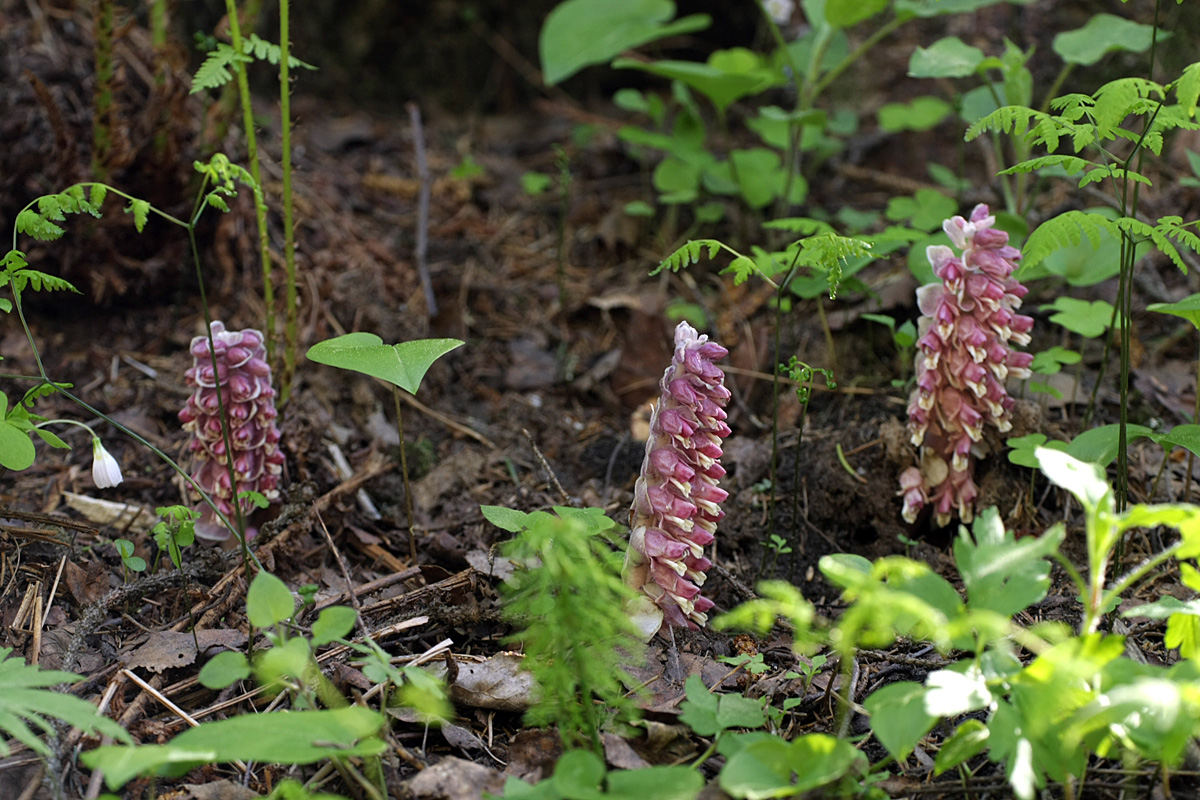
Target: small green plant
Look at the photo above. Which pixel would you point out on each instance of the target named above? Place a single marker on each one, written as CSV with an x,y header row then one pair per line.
x,y
129,561
567,604
174,531
402,365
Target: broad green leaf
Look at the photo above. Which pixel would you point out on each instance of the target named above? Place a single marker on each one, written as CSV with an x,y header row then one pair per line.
x,y
333,623
848,13
1099,445
699,710
659,783
946,58
578,775
1164,607
1083,479
1087,318
51,439
968,741
949,693
898,717
1003,574
1102,34
268,601
1188,308
579,33
403,364
299,737
26,697
507,519
922,114
936,8
736,711
224,669
721,87
16,448
765,768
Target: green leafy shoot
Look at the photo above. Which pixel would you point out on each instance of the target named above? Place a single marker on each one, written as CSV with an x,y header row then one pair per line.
x,y
176,530
214,72
26,699
570,618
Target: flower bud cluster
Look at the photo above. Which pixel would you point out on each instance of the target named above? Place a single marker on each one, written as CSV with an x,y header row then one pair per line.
x,y
243,379
676,503
963,362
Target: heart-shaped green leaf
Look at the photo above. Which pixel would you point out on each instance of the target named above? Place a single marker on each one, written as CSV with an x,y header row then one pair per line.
x,y
403,364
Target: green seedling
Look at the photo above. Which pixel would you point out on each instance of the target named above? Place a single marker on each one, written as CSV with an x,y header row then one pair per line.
x,y
129,561
402,365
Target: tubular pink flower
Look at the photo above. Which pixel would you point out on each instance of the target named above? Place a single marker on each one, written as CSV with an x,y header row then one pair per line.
x,y
243,379
967,325
676,505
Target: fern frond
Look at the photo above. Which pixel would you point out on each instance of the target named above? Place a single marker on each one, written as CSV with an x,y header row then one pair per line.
x,y
687,255
1117,99
1100,173
806,225
828,252
1072,106
214,72
42,390
1187,89
1069,164
1065,230
266,51
1006,119
1175,229
25,698
1136,229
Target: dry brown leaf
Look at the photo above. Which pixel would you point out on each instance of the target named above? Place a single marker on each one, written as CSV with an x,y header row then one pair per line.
x,y
455,779
498,683
170,649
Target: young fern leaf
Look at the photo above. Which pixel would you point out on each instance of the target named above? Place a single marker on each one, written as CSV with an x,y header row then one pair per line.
x,y
1187,89
1065,230
1174,228
1069,164
1117,99
140,210
1136,229
25,700
215,71
1016,120
1111,171
828,251
687,255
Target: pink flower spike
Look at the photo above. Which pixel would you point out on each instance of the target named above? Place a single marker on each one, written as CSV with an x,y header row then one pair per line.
x,y
676,499
244,382
962,362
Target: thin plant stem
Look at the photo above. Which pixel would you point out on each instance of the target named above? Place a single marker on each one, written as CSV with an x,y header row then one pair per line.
x,y
260,207
289,227
1187,481
102,105
408,503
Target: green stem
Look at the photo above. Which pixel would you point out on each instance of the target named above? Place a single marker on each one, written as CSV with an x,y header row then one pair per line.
x,y
289,230
408,503
260,207
102,103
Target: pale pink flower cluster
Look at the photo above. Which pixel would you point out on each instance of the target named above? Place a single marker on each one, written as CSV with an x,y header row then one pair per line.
x,y
243,379
676,503
963,362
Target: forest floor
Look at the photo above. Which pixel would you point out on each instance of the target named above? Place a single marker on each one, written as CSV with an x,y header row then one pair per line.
x,y
566,337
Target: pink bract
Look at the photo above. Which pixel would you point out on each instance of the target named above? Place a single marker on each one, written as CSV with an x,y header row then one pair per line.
x,y
963,362
243,379
676,503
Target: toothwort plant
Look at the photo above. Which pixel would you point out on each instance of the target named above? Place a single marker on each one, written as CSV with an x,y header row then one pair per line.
x,y
243,378
676,503
963,361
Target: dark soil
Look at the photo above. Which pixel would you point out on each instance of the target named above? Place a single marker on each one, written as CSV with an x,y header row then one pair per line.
x,y
565,334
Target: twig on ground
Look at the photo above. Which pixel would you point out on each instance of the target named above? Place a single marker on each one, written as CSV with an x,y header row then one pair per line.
x,y
546,466
414,114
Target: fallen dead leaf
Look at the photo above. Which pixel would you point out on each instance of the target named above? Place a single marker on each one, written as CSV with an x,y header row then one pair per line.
x,y
455,779
498,683
170,649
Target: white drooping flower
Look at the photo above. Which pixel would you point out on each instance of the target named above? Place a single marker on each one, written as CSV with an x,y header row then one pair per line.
x,y
106,471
